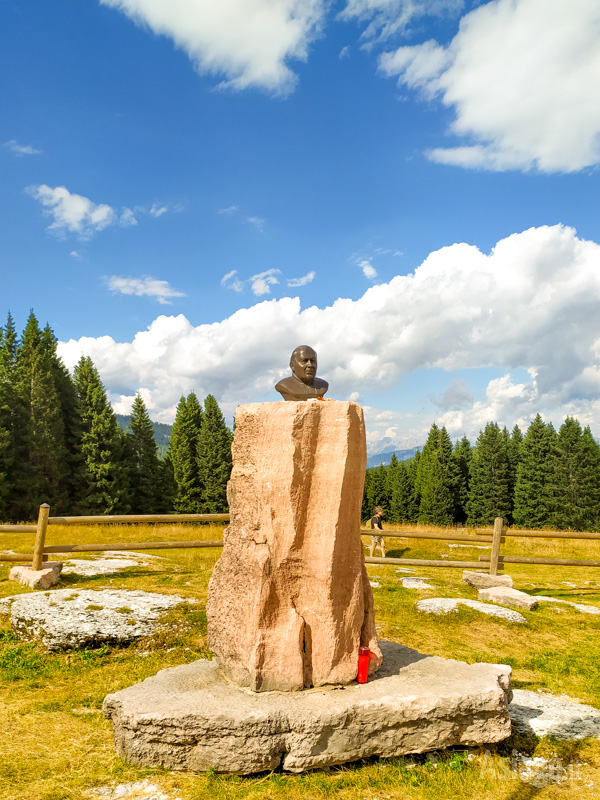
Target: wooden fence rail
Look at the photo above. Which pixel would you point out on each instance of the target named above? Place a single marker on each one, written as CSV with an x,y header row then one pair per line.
x,y
495,538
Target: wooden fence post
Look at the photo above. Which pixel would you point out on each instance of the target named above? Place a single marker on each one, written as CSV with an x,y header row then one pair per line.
x,y
496,541
40,536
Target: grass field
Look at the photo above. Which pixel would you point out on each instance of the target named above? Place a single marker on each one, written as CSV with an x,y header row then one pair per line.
x,y
56,743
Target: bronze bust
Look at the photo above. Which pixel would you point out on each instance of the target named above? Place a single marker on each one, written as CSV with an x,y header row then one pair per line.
x,y
303,383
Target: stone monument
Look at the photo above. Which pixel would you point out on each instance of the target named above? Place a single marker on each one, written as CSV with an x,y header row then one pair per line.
x,y
289,605
289,601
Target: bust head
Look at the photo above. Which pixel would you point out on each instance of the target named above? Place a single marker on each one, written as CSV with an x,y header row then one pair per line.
x,y
304,363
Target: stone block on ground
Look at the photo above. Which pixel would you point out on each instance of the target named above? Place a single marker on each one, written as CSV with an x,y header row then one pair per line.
x,y
483,580
191,718
508,597
447,605
546,715
43,578
77,618
289,601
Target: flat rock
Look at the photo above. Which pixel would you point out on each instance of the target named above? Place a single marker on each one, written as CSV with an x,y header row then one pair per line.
x,y
191,718
289,601
70,619
139,790
447,605
582,607
508,597
483,580
416,583
99,566
546,715
37,578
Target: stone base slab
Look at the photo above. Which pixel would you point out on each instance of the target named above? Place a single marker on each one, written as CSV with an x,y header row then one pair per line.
x,y
191,718
42,578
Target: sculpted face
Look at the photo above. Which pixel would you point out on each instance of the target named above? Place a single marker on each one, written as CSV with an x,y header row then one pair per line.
x,y
304,364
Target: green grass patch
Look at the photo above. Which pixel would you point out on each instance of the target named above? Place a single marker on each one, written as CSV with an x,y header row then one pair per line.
x,y
56,743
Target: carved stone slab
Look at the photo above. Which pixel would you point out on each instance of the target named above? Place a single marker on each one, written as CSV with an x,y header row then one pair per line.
x,y
191,718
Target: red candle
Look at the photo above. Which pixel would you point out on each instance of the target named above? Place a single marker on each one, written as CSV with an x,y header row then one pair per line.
x,y
364,655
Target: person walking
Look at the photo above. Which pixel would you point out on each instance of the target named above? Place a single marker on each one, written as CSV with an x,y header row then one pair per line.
x,y
377,540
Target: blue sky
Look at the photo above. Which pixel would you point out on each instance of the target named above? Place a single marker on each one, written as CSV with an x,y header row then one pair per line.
x,y
190,189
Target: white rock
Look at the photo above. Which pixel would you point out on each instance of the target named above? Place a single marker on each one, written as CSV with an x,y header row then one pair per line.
x,y
546,715
508,597
190,718
416,583
447,605
100,566
42,578
68,618
140,790
585,609
474,546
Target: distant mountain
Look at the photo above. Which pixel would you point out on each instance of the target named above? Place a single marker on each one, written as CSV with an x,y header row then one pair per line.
x,y
385,458
162,432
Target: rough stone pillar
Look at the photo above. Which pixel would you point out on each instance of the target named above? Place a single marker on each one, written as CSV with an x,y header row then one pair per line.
x,y
289,601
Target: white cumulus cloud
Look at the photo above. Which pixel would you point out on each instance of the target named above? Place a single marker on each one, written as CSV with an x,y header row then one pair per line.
x,y
295,282
249,42
143,287
386,18
262,282
72,213
21,149
530,304
368,269
522,77
229,281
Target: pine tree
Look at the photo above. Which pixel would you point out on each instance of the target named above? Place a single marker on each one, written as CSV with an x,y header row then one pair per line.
x,y
5,438
14,420
376,494
182,456
437,500
423,464
533,470
391,482
462,454
214,458
573,486
404,506
489,491
48,461
71,420
437,478
105,484
144,471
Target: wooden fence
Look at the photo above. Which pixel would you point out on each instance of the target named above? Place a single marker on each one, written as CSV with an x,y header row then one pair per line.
x,y
494,562
41,551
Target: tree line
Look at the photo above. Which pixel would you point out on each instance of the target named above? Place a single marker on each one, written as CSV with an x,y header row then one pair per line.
x,y
543,479
60,441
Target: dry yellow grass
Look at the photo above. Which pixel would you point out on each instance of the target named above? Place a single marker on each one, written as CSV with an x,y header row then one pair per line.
x,y
57,744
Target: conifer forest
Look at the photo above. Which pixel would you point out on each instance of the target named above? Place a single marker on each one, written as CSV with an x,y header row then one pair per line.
x,y
60,441
540,479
